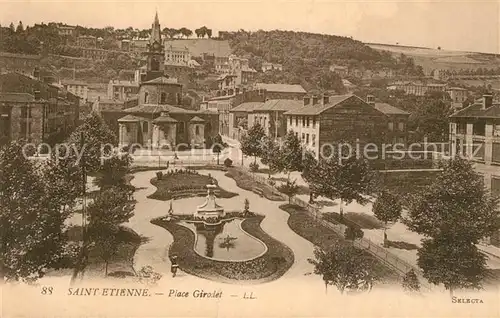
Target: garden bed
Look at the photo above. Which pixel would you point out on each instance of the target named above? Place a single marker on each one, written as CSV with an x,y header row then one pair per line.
x,y
177,185
270,266
247,183
325,238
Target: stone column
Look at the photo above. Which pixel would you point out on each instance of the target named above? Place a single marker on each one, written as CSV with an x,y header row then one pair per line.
x,y
488,142
468,139
121,133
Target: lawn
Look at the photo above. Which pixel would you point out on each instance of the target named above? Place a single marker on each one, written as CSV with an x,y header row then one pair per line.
x,y
305,226
246,182
187,184
121,263
270,266
361,220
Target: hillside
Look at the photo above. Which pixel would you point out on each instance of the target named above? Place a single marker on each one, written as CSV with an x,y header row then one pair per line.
x,y
431,59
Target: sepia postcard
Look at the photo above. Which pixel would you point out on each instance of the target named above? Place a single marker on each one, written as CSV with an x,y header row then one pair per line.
x,y
249,158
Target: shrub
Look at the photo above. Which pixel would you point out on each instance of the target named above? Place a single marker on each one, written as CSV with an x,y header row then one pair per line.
x,y
228,162
271,182
254,167
159,175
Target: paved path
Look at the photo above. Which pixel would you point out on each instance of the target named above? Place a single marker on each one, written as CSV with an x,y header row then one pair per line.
x,y
155,251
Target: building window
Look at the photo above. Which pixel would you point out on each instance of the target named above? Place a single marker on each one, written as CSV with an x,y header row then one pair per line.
x,y
181,127
163,98
401,126
462,127
303,121
314,122
296,120
303,136
313,140
290,118
307,139
479,128
197,130
146,97
297,135
391,126
308,121
26,112
145,127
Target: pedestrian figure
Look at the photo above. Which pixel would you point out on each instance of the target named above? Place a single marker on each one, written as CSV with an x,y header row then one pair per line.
x,y
174,265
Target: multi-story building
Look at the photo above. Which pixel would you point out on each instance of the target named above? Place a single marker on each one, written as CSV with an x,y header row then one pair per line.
x,y
87,41
475,135
176,55
221,64
78,88
66,30
341,70
266,66
416,88
282,91
458,96
36,111
325,121
240,67
269,114
19,63
122,90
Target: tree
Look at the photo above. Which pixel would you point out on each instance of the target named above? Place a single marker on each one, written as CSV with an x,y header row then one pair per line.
x,y
290,188
346,267
113,171
20,27
31,223
353,233
290,154
217,145
110,206
270,154
387,208
454,213
209,33
311,174
185,32
97,142
431,117
251,141
12,28
347,179
410,282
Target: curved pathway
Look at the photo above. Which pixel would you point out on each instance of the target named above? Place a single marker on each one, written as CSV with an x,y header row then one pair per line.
x,y
154,252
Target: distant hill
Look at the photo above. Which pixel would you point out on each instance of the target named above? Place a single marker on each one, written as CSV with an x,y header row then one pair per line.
x,y
431,59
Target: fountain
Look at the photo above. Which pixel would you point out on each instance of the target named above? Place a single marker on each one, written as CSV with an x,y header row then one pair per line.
x,y
210,209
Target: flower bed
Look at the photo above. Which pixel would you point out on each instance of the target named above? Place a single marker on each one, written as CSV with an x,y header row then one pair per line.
x,y
270,266
247,183
183,183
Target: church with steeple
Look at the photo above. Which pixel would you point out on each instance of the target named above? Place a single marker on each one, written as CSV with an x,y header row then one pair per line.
x,y
159,121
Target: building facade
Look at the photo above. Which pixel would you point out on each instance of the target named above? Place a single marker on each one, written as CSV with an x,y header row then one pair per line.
x,y
78,88
35,111
458,96
122,90
282,91
325,121
158,120
266,66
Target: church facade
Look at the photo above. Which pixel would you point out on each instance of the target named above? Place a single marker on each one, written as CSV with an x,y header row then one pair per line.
x,y
158,120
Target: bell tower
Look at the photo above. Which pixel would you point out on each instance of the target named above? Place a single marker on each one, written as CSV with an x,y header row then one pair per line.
x,y
155,54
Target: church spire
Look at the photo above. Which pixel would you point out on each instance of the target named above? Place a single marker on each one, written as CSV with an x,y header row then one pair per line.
x,y
155,31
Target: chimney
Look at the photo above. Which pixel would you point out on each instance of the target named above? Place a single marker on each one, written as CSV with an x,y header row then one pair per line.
x,y
325,100
37,95
36,73
315,100
487,101
370,99
307,100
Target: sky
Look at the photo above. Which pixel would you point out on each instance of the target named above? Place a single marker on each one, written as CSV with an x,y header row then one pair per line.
x,y
453,25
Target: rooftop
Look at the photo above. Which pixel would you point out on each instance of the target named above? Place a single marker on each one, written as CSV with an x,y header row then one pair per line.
x,y
16,97
74,82
164,119
281,88
280,105
476,111
162,80
389,109
247,107
123,83
130,118
319,108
